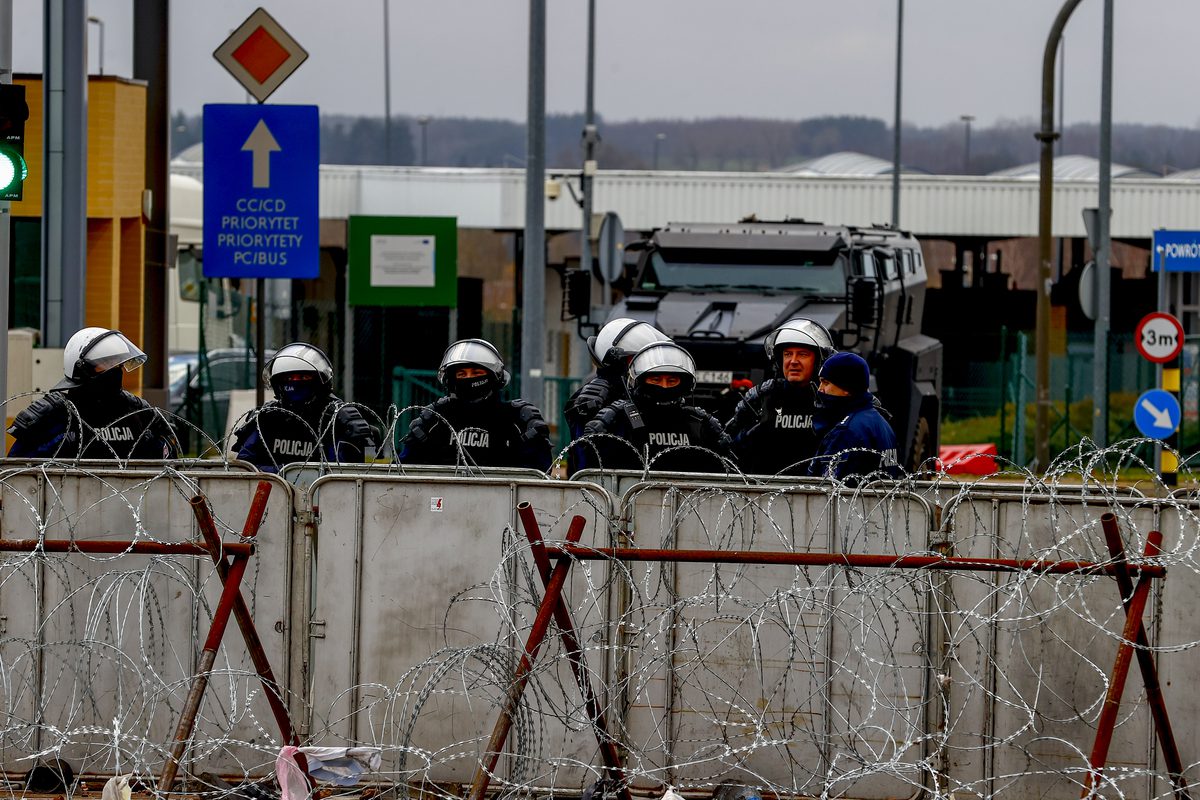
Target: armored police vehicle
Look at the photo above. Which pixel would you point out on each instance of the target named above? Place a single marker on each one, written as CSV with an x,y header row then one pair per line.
x,y
719,289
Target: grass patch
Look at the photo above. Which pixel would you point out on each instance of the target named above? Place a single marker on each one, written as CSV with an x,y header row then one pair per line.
x,y
1068,425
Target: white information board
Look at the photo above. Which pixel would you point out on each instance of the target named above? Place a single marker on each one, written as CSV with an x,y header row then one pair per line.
x,y
402,260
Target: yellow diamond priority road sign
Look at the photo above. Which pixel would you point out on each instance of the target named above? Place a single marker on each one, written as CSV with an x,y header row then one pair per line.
x,y
260,54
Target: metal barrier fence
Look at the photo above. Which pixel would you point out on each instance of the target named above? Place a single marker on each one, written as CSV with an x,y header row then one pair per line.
x,y
97,649
395,608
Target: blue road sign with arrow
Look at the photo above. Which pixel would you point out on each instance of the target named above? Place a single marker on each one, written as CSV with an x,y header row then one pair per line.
x,y
1156,414
261,166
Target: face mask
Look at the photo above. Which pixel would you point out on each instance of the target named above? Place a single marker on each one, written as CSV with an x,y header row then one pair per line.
x,y
833,405
659,395
106,383
297,392
473,390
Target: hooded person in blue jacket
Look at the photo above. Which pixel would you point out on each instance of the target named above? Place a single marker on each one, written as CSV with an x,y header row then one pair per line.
x,y
856,441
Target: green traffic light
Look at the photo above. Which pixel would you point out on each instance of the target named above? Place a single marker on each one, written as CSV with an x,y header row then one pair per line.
x,y
13,170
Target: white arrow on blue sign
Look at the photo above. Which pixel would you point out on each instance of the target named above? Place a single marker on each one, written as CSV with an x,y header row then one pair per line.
x,y
261,173
1156,414
1176,251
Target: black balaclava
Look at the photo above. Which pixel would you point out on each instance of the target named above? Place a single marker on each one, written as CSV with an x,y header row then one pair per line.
x,y
474,390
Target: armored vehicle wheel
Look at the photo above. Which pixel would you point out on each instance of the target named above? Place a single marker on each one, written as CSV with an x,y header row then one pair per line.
x,y
922,444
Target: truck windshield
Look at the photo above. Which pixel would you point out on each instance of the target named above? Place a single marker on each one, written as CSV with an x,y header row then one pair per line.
x,y
814,273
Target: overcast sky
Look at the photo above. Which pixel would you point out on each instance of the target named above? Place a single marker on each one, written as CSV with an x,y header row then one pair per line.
x,y
783,59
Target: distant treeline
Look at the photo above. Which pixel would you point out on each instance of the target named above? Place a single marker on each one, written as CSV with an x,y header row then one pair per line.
x,y
723,143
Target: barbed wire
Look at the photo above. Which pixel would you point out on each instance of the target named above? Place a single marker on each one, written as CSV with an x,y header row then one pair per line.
x,y
807,681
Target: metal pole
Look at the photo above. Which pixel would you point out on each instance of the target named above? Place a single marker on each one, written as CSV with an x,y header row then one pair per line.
x,y
1062,101
387,86
1062,90
151,63
850,560
1145,657
533,295
1046,136
1161,305
1106,724
533,642
589,154
260,338
64,184
896,116
575,653
99,23
1103,276
423,122
5,215
216,632
245,620
967,118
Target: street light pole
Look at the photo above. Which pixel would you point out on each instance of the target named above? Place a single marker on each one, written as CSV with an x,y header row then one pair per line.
x,y
423,121
1104,251
968,119
387,86
533,292
658,138
896,117
589,154
99,23
1047,135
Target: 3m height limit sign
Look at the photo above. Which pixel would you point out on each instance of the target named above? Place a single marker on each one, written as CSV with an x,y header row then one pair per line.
x,y
261,167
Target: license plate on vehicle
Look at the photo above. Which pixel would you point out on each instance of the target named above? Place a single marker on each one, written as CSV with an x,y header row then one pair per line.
x,y
714,376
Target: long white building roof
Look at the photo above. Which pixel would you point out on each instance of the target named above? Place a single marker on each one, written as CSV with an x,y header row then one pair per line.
x,y
931,205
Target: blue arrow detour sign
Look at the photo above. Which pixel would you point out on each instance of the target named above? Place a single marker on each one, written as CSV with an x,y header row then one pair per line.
x,y
1156,414
260,191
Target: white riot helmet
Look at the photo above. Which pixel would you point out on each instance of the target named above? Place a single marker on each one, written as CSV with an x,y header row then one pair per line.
x,y
299,373
798,332
472,353
621,338
661,358
94,351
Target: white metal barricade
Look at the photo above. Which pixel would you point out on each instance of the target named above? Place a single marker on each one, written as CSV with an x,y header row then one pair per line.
x,y
301,474
418,590
111,641
755,654
1033,653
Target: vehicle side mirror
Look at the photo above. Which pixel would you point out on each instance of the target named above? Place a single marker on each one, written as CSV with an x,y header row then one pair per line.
x,y
578,285
862,301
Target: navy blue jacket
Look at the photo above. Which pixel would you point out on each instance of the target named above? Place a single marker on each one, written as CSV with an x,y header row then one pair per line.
x,y
79,424
662,438
856,441
275,435
487,433
603,389
774,428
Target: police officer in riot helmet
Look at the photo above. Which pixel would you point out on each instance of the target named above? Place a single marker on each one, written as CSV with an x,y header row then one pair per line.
x,y
87,414
611,348
473,425
773,425
660,431
305,421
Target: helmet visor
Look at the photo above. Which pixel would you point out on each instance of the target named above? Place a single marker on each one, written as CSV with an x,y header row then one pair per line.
x,y
298,357
663,357
473,351
112,350
798,332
